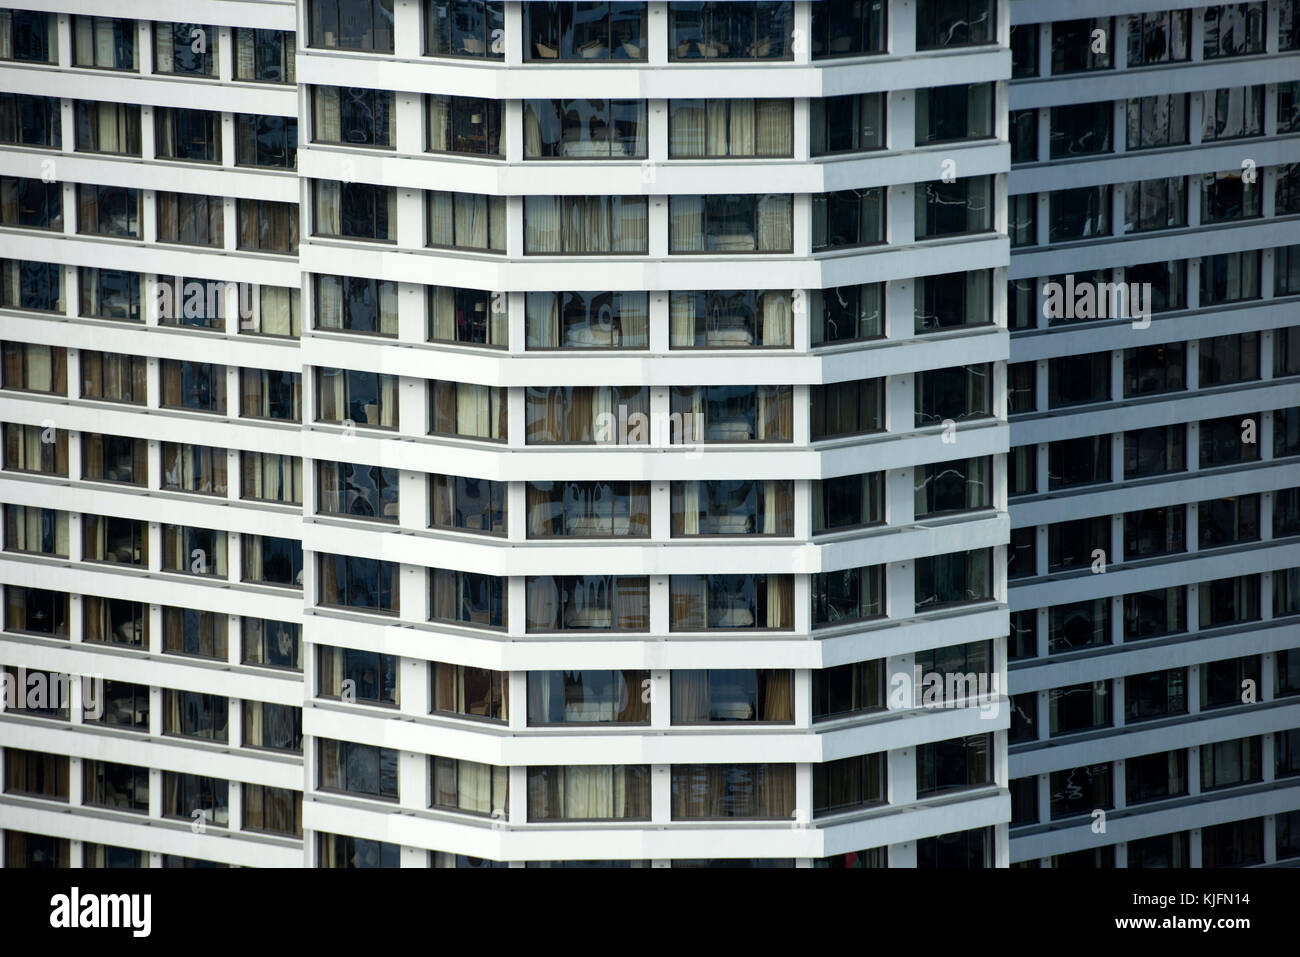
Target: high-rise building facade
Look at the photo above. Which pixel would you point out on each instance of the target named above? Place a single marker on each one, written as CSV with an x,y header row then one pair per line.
x,y
1153,476
440,435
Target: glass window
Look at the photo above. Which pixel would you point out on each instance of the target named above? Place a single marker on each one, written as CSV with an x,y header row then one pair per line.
x,y
193,715
584,31
356,676
956,763
953,301
192,135
1160,37
185,48
467,598
470,787
585,320
585,224
464,124
267,226
354,210
731,223
35,611
1233,113
846,313
264,56
847,501
716,791
587,603
588,509
952,579
468,504
340,850
957,394
29,35
947,209
353,398
115,621
38,287
200,634
849,595
845,124
716,128
1081,129
359,769
465,28
270,477
351,25
1079,45
270,142
732,507
848,784
947,113
957,486
950,23
1234,29
367,584
588,697
469,411
742,30
353,116
589,792
848,689
30,120
33,203
847,28
471,692
847,408
597,129
1076,791
274,644
356,304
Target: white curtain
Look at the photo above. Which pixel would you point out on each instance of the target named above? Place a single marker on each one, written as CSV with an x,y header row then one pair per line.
x,y
776,319
542,224
439,123
774,135
686,231
775,223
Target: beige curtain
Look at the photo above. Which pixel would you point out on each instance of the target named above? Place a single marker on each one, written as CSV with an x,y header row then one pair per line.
x,y
681,320
442,219
774,122
688,603
686,230
442,304
776,316
775,223
741,128
780,596
326,124
329,302
542,224
778,701
328,212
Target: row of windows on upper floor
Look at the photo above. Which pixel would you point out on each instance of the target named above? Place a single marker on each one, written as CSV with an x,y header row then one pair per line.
x,y
553,32
1090,706
1231,441
1088,212
553,415
1157,37
1157,533
555,793
592,509
125,787
1234,844
570,320
1156,122
727,224
1158,613
587,129
1162,287
26,850
554,509
555,604
1154,777
597,698
1225,360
